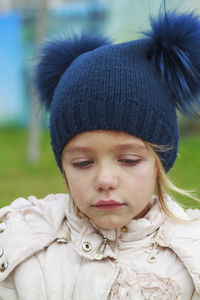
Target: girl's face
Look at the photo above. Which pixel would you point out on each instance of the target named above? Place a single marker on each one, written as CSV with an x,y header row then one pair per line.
x,y
111,176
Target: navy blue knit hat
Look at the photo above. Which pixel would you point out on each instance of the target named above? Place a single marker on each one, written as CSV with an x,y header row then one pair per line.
x,y
88,83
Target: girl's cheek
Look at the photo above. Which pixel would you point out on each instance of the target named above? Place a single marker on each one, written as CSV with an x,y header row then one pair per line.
x,y
145,175
77,184
139,171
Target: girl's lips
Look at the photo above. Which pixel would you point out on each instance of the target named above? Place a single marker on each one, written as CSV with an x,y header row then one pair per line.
x,y
108,204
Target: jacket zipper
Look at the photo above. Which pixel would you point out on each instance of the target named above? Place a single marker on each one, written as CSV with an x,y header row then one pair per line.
x,y
153,255
101,249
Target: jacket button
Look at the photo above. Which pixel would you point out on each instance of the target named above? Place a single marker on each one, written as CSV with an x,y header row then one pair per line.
x,y
1,252
124,228
3,266
87,246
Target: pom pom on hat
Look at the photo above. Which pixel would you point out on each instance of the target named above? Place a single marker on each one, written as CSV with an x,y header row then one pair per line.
x,y
175,48
55,58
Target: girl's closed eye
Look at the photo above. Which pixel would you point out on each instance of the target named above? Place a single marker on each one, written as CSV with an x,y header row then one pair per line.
x,y
130,161
83,163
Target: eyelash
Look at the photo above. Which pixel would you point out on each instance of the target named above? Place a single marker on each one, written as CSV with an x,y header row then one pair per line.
x,y
130,162
87,163
83,164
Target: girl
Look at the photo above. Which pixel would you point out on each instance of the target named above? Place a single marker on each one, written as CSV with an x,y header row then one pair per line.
x,y
113,126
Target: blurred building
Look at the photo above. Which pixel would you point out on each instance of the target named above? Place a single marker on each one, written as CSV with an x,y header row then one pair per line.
x,y
7,5
18,30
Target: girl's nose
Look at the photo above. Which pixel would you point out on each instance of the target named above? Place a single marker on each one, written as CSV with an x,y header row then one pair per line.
x,y
106,181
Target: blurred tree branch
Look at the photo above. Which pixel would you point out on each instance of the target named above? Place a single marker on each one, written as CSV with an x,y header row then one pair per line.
x,y
34,124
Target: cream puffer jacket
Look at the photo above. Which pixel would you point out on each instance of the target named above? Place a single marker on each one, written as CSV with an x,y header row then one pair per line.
x,y
47,252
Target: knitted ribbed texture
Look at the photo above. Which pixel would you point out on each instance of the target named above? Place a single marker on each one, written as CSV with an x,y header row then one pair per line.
x,y
114,87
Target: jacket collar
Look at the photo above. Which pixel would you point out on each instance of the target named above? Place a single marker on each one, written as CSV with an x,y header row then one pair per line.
x,y
155,226
84,232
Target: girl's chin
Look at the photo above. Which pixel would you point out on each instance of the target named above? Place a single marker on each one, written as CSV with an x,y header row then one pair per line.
x,y
109,225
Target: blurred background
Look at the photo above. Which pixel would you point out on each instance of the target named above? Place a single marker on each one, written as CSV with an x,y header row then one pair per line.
x,y
27,165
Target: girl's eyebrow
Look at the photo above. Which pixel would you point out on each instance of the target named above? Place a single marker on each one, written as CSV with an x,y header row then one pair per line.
x,y
78,149
134,146
129,146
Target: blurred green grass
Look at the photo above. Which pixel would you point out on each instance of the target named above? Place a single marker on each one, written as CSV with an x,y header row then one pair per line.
x,y
18,178
186,171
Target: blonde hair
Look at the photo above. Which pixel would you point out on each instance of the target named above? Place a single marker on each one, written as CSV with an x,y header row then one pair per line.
x,y
165,186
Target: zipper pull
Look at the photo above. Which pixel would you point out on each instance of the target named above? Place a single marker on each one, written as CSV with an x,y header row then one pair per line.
x,y
153,253
101,249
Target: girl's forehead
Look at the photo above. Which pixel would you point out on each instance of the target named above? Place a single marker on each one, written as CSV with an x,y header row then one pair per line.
x,y
105,138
